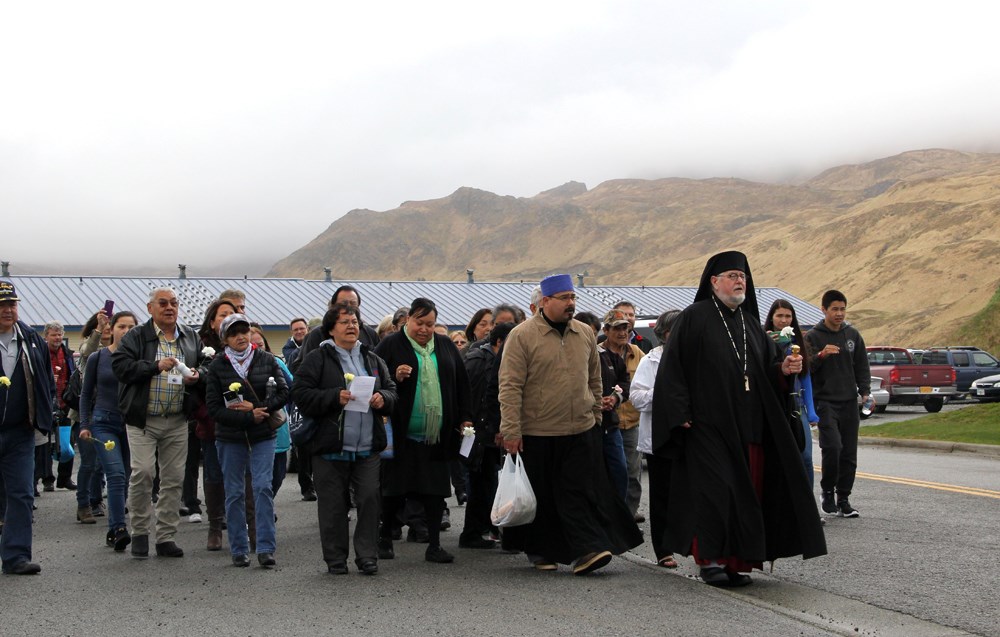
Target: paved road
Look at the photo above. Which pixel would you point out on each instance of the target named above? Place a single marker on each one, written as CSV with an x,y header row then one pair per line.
x,y
919,562
899,413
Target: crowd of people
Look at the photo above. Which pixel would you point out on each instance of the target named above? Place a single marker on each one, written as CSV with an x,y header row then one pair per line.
x,y
719,409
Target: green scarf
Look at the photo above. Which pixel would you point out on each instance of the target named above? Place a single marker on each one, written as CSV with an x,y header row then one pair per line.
x,y
429,397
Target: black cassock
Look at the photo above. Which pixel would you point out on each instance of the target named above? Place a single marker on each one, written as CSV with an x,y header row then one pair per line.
x,y
711,494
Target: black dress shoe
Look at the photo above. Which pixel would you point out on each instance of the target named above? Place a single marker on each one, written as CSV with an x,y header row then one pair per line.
x,y
420,536
368,566
309,496
476,543
461,498
49,488
169,549
241,560
121,539
438,555
714,576
739,579
140,547
385,551
66,484
266,559
24,568
337,568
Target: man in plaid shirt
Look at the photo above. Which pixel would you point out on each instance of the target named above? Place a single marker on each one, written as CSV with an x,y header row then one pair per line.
x,y
153,398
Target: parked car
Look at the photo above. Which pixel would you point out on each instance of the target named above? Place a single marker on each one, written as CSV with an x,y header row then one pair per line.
x,y
986,389
970,363
879,393
909,383
644,327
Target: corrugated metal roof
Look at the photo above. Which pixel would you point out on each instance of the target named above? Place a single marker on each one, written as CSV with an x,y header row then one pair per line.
x,y
272,302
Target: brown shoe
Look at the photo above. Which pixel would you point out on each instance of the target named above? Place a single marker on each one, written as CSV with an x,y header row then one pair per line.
x,y
591,562
85,516
214,540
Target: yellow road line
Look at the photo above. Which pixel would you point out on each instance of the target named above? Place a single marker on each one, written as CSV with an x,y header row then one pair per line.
x,y
912,482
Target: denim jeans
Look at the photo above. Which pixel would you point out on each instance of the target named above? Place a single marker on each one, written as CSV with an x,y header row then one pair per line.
x,y
17,471
89,476
614,458
807,454
235,457
108,426
280,470
210,462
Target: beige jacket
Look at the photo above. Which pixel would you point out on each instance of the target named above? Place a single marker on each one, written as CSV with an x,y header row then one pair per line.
x,y
550,385
628,416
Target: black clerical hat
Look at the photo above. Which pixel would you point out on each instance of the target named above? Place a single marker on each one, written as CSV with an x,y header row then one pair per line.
x,y
724,262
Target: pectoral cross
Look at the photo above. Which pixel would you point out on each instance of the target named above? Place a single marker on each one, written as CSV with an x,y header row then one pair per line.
x,y
746,382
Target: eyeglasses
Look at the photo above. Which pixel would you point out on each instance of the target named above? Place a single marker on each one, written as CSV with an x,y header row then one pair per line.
x,y
565,297
733,276
355,323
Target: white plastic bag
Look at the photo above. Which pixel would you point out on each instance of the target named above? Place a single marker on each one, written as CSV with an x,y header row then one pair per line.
x,y
514,504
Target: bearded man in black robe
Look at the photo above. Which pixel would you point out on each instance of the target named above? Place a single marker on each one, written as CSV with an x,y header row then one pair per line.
x,y
739,495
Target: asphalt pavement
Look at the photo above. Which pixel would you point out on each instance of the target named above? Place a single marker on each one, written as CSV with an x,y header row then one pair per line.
x,y
919,562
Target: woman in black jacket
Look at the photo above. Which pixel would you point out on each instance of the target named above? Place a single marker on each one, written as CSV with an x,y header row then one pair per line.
x,y
428,419
348,440
239,400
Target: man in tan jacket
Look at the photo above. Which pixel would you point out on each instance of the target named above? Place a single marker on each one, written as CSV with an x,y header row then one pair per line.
x,y
550,411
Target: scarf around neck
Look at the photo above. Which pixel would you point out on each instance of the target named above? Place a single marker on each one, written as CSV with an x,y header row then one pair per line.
x,y
241,360
429,397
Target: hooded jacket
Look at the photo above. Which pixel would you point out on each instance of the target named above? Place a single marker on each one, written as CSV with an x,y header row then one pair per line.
x,y
844,376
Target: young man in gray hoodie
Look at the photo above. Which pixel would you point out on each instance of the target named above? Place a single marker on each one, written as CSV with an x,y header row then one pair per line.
x,y
839,367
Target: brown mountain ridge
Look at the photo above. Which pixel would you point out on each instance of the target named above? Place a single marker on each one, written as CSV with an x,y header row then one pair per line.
x,y
912,240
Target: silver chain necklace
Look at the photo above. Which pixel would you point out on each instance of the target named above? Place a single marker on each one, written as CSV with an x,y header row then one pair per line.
x,y
746,379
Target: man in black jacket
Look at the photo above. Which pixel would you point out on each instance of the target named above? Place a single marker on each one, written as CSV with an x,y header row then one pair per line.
x,y
156,364
344,294
840,373
484,461
26,392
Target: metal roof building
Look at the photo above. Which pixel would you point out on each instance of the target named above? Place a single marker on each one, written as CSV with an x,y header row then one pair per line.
x,y
72,300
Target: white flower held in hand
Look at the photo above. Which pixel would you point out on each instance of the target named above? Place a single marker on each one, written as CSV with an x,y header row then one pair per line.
x,y
209,352
468,431
788,331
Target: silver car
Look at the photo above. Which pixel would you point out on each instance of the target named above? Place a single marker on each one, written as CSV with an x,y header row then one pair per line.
x,y
879,393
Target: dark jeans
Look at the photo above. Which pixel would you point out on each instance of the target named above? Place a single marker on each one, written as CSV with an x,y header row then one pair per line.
x,y
333,478
213,470
89,476
305,472
189,492
838,441
17,467
116,463
482,487
433,506
43,464
614,458
280,469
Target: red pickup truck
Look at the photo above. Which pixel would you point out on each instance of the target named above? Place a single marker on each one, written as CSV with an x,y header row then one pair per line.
x,y
909,383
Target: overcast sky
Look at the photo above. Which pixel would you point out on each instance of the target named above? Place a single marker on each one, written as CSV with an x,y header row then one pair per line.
x,y
203,132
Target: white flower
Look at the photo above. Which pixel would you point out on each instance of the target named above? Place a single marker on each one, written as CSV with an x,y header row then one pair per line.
x,y
788,331
468,431
209,352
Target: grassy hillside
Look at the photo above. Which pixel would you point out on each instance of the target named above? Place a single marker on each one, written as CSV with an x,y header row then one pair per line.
x,y
983,329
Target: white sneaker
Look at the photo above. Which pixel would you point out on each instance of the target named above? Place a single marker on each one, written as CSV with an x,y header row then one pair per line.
x,y
194,518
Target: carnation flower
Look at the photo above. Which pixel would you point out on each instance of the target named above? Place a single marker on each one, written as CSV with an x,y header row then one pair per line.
x,y
4,381
348,377
234,386
209,352
109,445
788,331
468,431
